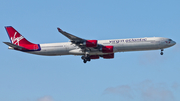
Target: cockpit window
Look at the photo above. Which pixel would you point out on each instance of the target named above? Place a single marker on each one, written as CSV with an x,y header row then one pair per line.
x,y
170,39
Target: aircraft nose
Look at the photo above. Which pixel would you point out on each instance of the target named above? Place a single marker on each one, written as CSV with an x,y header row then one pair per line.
x,y
173,43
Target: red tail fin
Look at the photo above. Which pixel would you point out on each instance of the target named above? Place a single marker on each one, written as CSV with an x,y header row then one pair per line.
x,y
17,39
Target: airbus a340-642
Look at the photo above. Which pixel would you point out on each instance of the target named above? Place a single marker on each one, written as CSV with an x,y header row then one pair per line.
x,y
87,49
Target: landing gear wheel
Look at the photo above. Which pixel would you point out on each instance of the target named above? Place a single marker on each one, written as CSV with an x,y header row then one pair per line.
x,y
83,57
88,59
161,53
84,61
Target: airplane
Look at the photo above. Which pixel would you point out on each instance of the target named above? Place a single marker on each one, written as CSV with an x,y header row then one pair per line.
x,y
87,49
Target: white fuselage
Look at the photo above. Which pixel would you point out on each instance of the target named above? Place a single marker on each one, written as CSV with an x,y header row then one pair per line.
x,y
120,45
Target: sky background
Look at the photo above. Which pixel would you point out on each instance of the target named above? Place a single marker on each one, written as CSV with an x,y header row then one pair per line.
x,y
130,76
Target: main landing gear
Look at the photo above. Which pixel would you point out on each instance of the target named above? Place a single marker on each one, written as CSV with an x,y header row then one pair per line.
x,y
161,52
86,58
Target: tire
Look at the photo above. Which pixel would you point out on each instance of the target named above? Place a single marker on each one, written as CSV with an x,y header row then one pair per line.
x,y
161,53
84,61
88,59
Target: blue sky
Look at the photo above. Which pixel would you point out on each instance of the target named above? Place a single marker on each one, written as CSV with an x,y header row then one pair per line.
x,y
130,76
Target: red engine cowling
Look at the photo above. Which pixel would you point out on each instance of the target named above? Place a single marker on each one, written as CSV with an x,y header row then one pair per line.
x,y
108,56
90,43
107,49
94,57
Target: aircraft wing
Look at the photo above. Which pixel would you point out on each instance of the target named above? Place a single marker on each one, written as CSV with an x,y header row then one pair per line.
x,y
71,37
14,46
80,42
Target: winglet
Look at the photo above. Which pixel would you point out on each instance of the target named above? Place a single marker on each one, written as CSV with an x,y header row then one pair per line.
x,y
59,29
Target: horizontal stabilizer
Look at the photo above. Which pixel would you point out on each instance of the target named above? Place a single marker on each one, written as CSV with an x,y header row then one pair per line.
x,y
15,46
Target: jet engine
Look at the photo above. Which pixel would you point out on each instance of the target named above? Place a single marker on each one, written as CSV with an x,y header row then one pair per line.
x,y
108,56
94,57
107,49
90,43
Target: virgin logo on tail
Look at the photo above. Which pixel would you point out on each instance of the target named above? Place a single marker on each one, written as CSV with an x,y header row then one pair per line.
x,y
16,40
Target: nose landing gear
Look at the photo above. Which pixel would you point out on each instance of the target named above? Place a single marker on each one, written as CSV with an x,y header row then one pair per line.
x,y
161,52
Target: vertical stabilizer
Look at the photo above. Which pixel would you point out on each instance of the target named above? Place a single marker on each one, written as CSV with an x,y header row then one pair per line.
x,y
17,39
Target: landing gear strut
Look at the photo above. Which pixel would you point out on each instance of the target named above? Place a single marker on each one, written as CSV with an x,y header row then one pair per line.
x,y
161,52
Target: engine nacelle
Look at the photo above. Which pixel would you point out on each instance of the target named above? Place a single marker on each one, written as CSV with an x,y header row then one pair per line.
x,y
107,49
90,43
108,56
94,57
